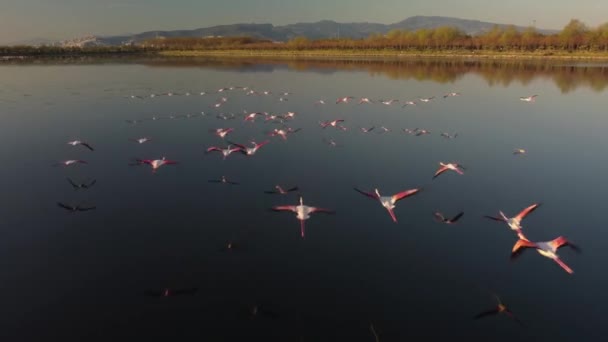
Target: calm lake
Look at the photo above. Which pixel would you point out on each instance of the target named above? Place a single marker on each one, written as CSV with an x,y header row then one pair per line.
x,y
83,276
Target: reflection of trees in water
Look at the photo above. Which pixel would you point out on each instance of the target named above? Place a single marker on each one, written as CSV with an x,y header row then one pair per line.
x,y
567,76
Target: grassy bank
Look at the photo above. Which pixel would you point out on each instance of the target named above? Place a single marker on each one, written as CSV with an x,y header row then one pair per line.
x,y
295,54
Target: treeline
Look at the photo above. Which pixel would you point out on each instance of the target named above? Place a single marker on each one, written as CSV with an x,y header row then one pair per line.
x,y
48,50
575,36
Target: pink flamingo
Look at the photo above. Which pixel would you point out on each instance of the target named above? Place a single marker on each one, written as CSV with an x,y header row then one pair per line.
x,y
389,202
515,222
156,163
225,151
302,212
545,248
449,166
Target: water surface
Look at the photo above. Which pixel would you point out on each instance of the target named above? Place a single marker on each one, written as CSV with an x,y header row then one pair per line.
x,y
81,276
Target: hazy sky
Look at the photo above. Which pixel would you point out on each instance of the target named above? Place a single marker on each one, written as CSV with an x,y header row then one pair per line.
x,y
60,19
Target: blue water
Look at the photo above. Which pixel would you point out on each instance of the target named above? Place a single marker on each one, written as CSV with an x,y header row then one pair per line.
x,y
82,276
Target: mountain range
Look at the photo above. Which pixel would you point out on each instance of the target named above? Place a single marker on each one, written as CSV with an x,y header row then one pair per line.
x,y
316,30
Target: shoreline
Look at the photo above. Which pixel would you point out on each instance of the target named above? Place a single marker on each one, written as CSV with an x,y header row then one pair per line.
x,y
359,54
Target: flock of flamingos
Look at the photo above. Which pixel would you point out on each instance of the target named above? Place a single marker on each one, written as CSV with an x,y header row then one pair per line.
x,y
303,211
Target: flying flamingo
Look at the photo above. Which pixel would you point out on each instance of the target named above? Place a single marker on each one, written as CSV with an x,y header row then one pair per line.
x,y
155,163
408,131
519,151
249,151
344,99
451,95
170,292
280,191
383,130
448,135
546,248
426,99
388,102
420,132
409,103
389,202
515,222
225,151
439,216
332,123
140,140
500,308
365,100
78,186
223,180
74,208
283,132
251,116
366,130
221,132
528,98
302,212
82,143
289,115
70,162
449,166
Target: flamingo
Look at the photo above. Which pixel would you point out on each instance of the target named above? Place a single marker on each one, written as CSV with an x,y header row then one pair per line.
x,y
222,132
383,130
426,99
225,151
141,140
223,116
449,166
249,151
70,162
170,292
389,202
546,248
320,102
155,163
82,143
409,103
365,100
519,151
439,216
500,308
408,131
420,132
448,135
289,115
515,222
366,130
451,95
331,142
74,208
528,98
344,99
332,123
388,102
78,186
280,191
283,132
302,212
223,180
251,116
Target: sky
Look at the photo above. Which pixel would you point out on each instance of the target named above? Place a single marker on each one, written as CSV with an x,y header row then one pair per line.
x,y
63,19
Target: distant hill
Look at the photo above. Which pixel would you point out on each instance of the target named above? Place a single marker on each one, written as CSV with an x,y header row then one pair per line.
x,y
317,30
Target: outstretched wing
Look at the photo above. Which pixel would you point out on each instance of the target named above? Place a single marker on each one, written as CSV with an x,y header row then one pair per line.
x,y
457,217
284,208
526,211
368,194
440,171
401,195
486,313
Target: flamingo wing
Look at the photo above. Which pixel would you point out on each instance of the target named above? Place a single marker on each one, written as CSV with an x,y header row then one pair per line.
x,y
401,195
440,171
321,210
457,217
495,218
486,313
284,208
563,265
368,194
527,211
